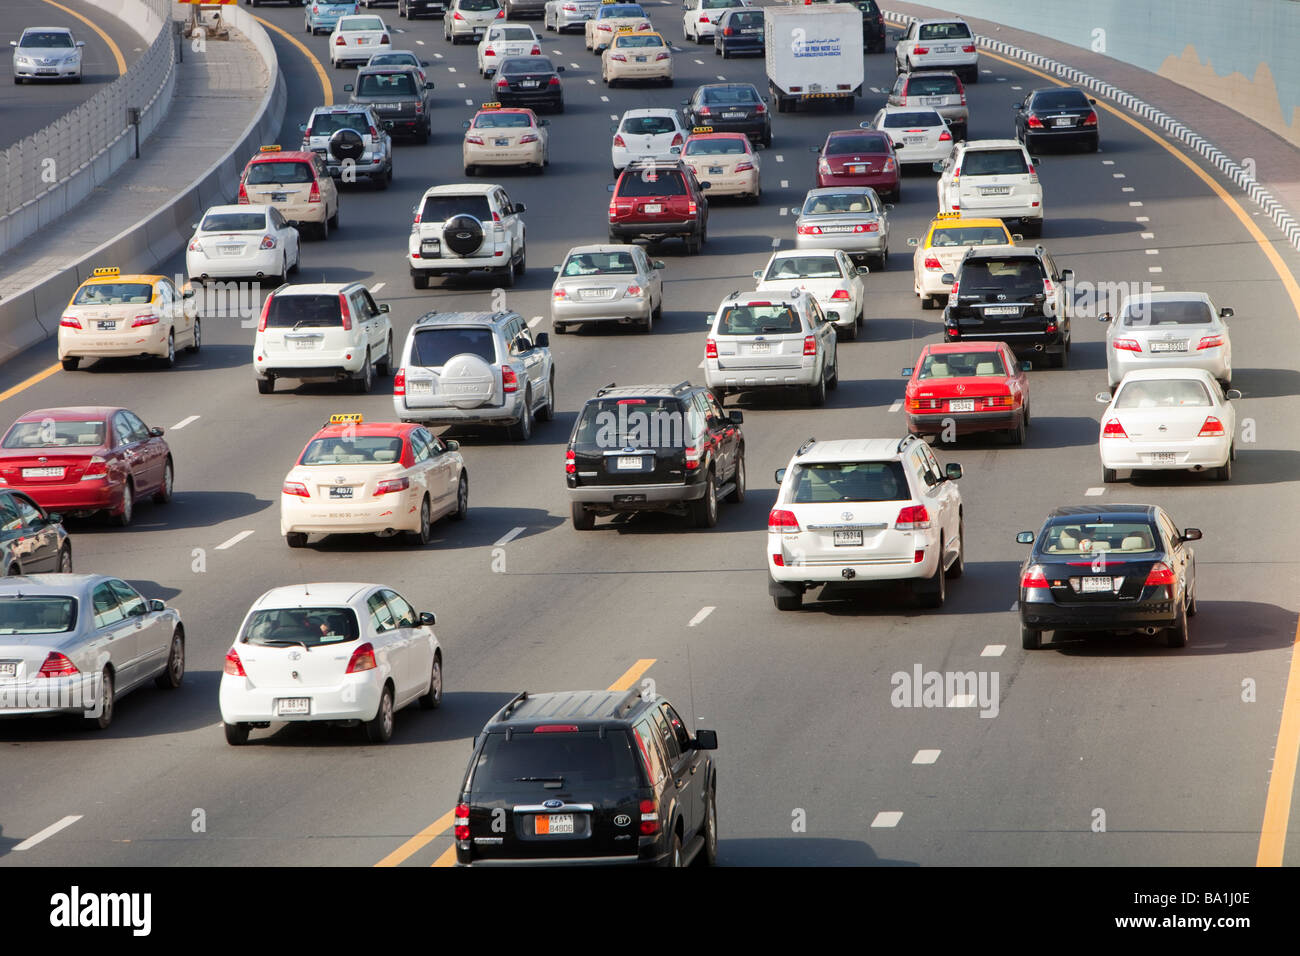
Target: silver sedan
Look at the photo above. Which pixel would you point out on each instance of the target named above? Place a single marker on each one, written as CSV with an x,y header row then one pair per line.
x,y
561,15
845,217
1168,330
607,283
47,53
76,643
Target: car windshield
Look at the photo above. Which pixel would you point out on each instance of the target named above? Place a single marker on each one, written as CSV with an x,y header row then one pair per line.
x,y
993,162
1086,537
30,614
637,422
527,64
962,365
745,18
856,143
478,6
47,433
826,204
310,626
803,267
394,59
49,41
969,236
326,123
923,85
912,118
652,183
636,40
758,320
1060,100
386,84
360,23
304,311
354,450
433,348
719,4
442,208
233,222
836,481
648,125
728,95
599,263
278,172
527,762
1164,393
114,293
502,121
992,275
715,147
620,10
1144,313
943,31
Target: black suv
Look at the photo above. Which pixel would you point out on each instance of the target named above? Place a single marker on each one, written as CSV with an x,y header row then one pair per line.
x,y
654,448
399,97
873,25
588,777
1017,296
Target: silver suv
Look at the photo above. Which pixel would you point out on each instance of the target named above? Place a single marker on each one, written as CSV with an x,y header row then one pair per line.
x,y
768,340
475,368
354,135
466,228
939,90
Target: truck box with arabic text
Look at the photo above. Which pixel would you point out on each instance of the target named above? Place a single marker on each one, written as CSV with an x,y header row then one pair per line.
x,y
814,54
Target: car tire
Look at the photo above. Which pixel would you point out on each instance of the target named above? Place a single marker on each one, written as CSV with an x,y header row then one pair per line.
x,y
675,859
169,360
323,230
737,495
1176,636
385,365
973,75
421,535
547,411
462,499
1056,359
692,245
958,567
1031,638
583,520
704,510
236,734
197,338
70,364
849,333
929,303
788,602
171,677
1094,144
560,328
647,324
767,139
833,382
379,729
721,395
296,539
265,386
1032,228
365,380
124,516
65,560
432,698
522,430
164,492
817,393
1109,476
419,280
882,261
106,692
709,852
1017,434
931,592
1224,472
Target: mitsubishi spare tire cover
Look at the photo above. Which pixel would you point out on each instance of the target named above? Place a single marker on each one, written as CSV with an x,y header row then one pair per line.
x,y
467,381
347,144
462,234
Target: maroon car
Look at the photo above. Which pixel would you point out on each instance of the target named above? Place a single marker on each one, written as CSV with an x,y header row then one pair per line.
x,y
78,461
859,157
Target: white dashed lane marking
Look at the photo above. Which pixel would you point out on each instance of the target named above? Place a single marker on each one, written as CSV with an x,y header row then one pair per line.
x,y
994,650
1127,189
785,184
898,403
451,69
377,286
1148,235
1108,162
468,102
534,321
1141,218
590,81
926,756
699,618
604,99
701,365
462,86
1157,288
784,211
233,541
574,66
185,421
1094,492
509,536
1135,202
962,700
1119,176
421,42
1155,269
887,818
1153,252
721,77
780,158
700,62
48,832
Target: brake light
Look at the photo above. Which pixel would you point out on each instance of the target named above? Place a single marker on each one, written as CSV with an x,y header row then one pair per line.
x,y
728,31
692,458
509,380
1033,122
918,555
945,137
1212,426
760,109
649,818
266,310
363,659
1160,574
570,462
243,193
889,166
374,133
144,318
268,242
528,138
457,16
1127,345
690,207
70,322
912,518
57,665
489,52
339,41
743,167
537,51
1034,577
932,263
840,295
704,19
556,729
710,349
554,81
661,56
780,521
500,13
399,382
234,666
1048,288
560,293
390,485
677,137
472,140
970,48
963,97
345,312
1090,119
778,560
503,83
384,41
1210,342
618,56
1000,401
462,809
920,50
295,488
955,284
823,166
1051,327
809,230
633,292
809,345
955,173
1113,429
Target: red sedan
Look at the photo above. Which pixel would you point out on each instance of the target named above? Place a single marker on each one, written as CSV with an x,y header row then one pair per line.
x,y
859,157
957,388
78,461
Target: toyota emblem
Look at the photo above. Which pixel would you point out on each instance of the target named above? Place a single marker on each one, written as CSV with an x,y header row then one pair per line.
x,y
42,458
847,516
553,804
1002,297
340,480
622,820
295,655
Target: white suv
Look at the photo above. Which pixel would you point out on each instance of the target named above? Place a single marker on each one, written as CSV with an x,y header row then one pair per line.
x,y
323,332
938,45
993,178
464,228
859,511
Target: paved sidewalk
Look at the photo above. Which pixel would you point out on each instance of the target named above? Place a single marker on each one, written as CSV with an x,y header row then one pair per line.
x,y
217,92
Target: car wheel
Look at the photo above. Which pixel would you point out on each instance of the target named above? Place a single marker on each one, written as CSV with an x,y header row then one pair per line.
x,y
323,229
929,303
421,535
168,360
1031,638
1056,359
675,861
1109,476
462,499
171,678
882,261
1017,434
1224,472
737,495
583,520
380,729
710,855
385,365
833,382
432,698
648,323
704,511
547,412
958,567
164,492
849,333
931,592
419,280
296,539
1026,416
560,328
721,395
105,716
236,734
363,382
65,560
817,393
265,386
70,364
788,602
523,429
1176,636
127,510
197,342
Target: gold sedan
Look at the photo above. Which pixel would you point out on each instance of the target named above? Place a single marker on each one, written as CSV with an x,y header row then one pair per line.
x,y
726,161
505,137
637,56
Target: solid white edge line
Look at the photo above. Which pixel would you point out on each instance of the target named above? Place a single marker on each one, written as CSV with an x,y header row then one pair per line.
x,y
185,421
48,832
699,617
233,541
509,536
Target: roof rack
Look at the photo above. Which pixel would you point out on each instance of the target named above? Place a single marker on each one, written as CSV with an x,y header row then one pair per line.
x,y
627,702
428,315
904,440
805,446
682,386
602,391
514,702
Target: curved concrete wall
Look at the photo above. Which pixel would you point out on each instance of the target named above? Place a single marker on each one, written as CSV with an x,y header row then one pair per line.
x,y
1244,54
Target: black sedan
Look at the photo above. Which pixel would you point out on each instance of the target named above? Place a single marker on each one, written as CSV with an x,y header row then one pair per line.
x,y
31,538
1066,115
730,108
873,24
1123,569
531,81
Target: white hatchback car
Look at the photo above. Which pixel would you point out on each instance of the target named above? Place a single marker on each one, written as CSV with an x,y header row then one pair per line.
x,y
647,134
1168,330
1169,419
860,511
993,178
829,274
700,17
338,653
919,132
250,240
356,39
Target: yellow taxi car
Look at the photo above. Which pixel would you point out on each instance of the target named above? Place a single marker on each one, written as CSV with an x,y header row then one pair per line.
x,y
637,56
296,183
117,316
946,241
505,137
613,17
383,478
726,161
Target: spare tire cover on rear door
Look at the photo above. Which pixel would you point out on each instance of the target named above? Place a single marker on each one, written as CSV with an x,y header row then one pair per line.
x,y
467,381
462,234
347,144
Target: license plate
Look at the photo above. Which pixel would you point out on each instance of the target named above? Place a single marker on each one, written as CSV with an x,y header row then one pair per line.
x,y
428,246
628,461
546,823
643,59
1002,310
419,388
279,197
826,229
995,190
9,669
1063,121
501,142
913,140
847,539
933,100
961,405
530,84
944,49
305,344
715,170
654,207
857,170
362,40
1096,585
43,472
733,115
340,492
1168,346
105,326
759,348
595,293
286,706
1162,458
230,250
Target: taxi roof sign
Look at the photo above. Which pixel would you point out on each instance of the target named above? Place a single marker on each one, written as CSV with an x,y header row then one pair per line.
x,y
947,215
701,129
347,418
491,106
269,149
107,271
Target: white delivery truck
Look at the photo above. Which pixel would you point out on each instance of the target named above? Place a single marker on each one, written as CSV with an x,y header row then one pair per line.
x,y
814,52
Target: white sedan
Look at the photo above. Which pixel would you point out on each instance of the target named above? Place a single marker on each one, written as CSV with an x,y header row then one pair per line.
x,y
700,17
1172,419
337,653
920,134
829,274
252,241
503,40
647,134
356,39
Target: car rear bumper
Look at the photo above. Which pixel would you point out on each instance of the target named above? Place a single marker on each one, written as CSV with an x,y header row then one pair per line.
x,y
404,125
356,697
1020,342
530,154
927,155
951,61
634,497
883,184
362,167
1118,616
86,345
777,377
653,230
441,265
49,697
863,572
737,184
530,98
260,263
463,858
1066,132
1216,365
850,242
973,206
75,497
362,515
964,423
1136,455
652,70
611,310
755,129
508,414
322,364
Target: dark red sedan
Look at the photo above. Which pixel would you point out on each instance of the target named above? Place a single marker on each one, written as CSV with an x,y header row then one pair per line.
x,y
859,157
78,461
968,387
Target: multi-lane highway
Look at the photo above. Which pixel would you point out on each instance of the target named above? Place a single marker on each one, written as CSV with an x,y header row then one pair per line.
x,y
1114,751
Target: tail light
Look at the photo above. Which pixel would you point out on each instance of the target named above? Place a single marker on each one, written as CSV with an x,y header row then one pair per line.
x,y
691,208
809,230
963,97
457,16
496,217
1160,574
473,141
537,51
384,41
780,521
1033,122
345,312
1113,429
955,174
560,293
1127,345
649,818
1034,577
144,318
633,292
1090,119
266,310
692,458
570,8
710,349
661,56
500,13
390,485
374,134
554,81
912,518
339,41
704,19
509,380
778,560
296,488
1051,327
1000,401
728,31
528,138
920,50
502,83
760,109
234,666
840,295
932,263
968,49
645,25
618,56
72,322
677,137
703,111
489,52
399,382
419,108
955,284
243,193
462,809
1211,427
96,468
1210,342
889,166
570,462
945,137
810,345
744,167
363,659
1048,288
619,141
823,167
268,242
918,555
416,220
57,665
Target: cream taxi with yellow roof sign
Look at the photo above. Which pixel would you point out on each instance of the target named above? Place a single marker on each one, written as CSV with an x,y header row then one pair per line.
x,y
637,55
384,478
947,240
125,316
505,137
726,161
613,17
295,182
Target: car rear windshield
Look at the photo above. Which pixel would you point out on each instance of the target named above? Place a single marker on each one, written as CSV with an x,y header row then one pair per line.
x,y
943,31
114,293
621,10
37,615
993,162
962,365
1164,393
304,311
745,18
638,41
599,263
433,348
1167,313
719,4
969,236
279,172
502,121
513,33
233,222
716,147
648,125
912,118
857,143
836,481
724,95
442,208
326,123
1090,537
527,64
758,320
636,422
394,59
49,41
804,267
360,23
1061,100
663,182
386,84
52,434
478,5
312,626
572,760
826,204
938,85
992,275
355,450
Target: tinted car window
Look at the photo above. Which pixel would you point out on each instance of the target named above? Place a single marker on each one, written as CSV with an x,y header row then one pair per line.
x,y
715,147
851,481
326,123
304,311
301,625
128,598
620,10
758,319
442,208
9,519
386,84
637,41
922,85
502,121
722,95
913,118
1167,313
432,348
661,183
746,18
993,162
360,23
55,435
525,761
804,267
114,293
857,143
37,615
1163,393
478,5
824,204
970,236
1072,536
107,610
990,275
599,263
639,422
645,736
359,450
944,31
648,125
279,172
1060,100
527,64
233,222
394,59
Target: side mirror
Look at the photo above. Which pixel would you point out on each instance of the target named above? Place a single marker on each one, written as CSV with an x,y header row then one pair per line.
x,y
1191,534
913,241
899,145
1026,366
737,416
1104,317
686,102
1025,537
814,149
81,43
708,318
937,165
543,341
1035,160
763,98
424,63
157,605
705,185
610,187
1017,237
383,306
428,86
658,264
452,444
947,278
53,517
758,275
13,42
427,619
706,740
780,475
156,432
952,472
347,87
861,271
555,269
676,150
865,124
1226,313
544,122
1103,398
188,294
464,124
302,128
1092,101
518,208
1231,394
1067,275
907,372
889,205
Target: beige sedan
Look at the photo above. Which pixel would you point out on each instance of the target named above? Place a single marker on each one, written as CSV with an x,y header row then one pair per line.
x,y
637,56
505,137
610,20
126,316
726,161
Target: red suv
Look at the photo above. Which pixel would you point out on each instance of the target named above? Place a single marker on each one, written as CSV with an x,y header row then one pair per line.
x,y
654,200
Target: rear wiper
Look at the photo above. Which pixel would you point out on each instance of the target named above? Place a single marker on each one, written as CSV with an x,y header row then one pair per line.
x,y
281,640
549,781
774,328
